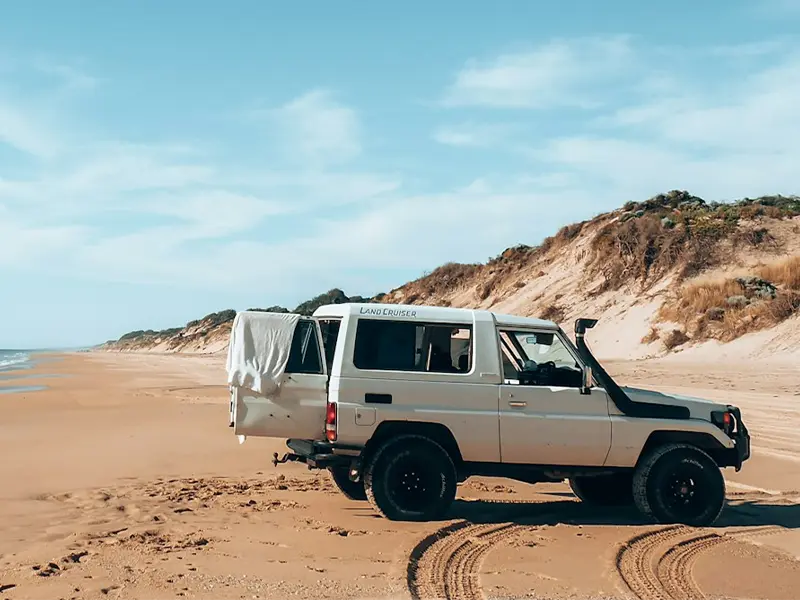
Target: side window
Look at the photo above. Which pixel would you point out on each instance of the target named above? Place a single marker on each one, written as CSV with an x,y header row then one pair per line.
x,y
330,334
304,356
538,358
407,346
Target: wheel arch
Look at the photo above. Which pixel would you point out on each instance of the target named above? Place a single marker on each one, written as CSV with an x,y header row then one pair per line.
x,y
435,431
704,441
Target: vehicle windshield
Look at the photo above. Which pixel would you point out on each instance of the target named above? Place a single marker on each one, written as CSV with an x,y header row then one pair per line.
x,y
540,348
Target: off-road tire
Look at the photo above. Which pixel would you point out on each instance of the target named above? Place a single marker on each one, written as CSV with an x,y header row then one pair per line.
x,y
353,490
604,490
661,470
403,465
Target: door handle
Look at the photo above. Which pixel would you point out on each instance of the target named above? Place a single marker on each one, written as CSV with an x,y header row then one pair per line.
x,y
517,403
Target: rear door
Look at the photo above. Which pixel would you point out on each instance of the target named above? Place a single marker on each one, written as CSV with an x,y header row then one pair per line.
x,y
298,410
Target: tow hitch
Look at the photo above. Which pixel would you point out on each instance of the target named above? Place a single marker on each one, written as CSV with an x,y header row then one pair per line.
x,y
288,457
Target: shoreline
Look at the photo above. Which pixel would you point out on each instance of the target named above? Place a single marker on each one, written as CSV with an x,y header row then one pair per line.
x,y
28,370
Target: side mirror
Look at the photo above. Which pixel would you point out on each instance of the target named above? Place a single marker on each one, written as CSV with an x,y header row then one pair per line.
x,y
586,380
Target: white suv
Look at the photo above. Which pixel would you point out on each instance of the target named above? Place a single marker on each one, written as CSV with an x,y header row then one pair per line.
x,y
400,403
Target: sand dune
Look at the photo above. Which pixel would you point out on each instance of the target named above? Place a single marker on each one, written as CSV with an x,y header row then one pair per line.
x,y
123,481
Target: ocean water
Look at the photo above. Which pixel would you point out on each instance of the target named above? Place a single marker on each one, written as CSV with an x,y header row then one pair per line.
x,y
13,360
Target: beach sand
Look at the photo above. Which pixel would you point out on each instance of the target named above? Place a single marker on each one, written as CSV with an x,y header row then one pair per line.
x,y
123,480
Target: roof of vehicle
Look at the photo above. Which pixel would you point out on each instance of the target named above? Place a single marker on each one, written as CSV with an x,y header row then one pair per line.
x,y
436,313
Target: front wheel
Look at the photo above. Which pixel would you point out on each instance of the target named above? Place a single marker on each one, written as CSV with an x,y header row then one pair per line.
x,y
679,483
354,490
604,490
410,478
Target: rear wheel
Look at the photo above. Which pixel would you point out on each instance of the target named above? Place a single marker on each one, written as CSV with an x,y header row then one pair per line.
x,y
604,490
354,490
679,483
410,478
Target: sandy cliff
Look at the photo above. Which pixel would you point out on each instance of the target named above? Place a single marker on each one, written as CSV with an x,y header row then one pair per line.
x,y
672,274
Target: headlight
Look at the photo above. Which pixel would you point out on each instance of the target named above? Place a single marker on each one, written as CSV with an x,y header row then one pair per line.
x,y
725,420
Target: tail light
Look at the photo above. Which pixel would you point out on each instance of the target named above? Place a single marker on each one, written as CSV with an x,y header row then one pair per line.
x,y
330,422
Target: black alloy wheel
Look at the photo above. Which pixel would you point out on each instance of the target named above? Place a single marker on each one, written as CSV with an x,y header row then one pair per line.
x,y
410,478
679,483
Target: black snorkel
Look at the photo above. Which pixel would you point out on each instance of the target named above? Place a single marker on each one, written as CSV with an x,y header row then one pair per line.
x,y
621,400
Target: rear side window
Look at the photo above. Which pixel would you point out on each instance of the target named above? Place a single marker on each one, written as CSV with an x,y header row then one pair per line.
x,y
330,334
304,357
416,347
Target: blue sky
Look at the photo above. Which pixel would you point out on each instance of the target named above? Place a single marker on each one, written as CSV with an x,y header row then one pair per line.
x,y
163,160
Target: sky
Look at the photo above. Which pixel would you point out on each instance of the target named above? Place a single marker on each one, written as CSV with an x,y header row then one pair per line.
x,y
163,160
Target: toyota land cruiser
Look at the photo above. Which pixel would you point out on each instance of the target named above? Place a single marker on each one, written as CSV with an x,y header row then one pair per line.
x,y
401,403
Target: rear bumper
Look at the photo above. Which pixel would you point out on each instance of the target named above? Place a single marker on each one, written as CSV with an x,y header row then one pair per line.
x,y
319,455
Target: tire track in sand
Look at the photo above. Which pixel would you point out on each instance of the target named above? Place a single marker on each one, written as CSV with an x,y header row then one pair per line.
x,y
657,565
446,564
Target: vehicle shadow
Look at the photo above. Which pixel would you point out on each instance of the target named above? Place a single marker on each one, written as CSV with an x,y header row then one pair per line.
x,y
760,513
572,512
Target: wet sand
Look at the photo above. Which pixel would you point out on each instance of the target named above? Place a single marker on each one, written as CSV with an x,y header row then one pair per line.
x,y
123,480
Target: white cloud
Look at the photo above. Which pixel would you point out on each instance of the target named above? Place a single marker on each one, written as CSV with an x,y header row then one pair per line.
x,y
472,134
411,232
635,170
28,121
478,186
560,73
118,167
69,77
316,128
774,9
749,49
23,245
722,139
165,212
214,213
20,131
757,112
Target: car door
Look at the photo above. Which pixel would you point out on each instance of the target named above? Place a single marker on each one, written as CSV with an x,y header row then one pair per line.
x,y
548,421
298,409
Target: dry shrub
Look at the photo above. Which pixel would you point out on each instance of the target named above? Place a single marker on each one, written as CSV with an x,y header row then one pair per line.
x,y
700,297
553,312
729,308
489,286
784,272
562,237
675,338
443,280
484,290
643,249
680,232
757,237
759,315
773,212
651,336
569,232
